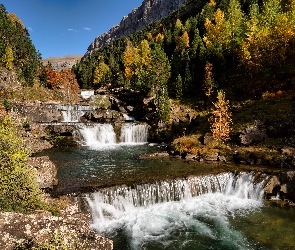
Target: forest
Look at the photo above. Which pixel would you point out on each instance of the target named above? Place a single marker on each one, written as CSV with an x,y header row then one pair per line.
x,y
244,47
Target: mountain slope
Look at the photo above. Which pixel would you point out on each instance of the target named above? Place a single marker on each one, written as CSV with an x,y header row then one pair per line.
x,y
149,11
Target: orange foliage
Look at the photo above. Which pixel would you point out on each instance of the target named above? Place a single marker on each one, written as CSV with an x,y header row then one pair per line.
x,y
65,83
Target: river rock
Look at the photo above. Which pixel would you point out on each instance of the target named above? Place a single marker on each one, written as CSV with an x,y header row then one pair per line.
x,y
45,171
192,157
281,185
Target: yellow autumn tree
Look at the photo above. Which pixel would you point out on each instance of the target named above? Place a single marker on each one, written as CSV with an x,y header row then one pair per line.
x,y
7,58
269,35
221,122
225,30
182,42
14,19
215,31
136,61
130,60
100,73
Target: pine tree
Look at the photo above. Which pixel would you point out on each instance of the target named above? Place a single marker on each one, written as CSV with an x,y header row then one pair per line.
x,y
178,87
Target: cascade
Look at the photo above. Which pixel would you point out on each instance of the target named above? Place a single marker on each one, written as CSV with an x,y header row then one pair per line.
x,y
104,134
191,213
71,113
100,134
97,134
134,133
144,195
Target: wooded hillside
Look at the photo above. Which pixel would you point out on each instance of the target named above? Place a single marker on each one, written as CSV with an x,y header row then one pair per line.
x,y
243,47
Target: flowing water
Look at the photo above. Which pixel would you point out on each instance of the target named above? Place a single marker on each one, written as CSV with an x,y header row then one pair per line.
x,y
167,203
223,211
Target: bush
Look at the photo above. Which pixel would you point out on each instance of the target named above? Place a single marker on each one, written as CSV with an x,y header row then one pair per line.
x,y
7,105
18,188
100,101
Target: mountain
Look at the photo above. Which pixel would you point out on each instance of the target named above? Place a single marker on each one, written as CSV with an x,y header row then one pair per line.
x,y
149,11
60,63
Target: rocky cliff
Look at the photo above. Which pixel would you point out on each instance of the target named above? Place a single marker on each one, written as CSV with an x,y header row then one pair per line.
x,y
63,62
149,11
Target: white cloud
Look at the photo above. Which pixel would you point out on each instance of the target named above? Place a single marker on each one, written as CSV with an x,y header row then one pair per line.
x,y
86,28
30,29
71,30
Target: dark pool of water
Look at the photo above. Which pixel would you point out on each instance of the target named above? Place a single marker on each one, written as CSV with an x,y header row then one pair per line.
x,y
82,169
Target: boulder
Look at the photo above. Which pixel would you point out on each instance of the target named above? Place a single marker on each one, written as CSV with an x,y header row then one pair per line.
x,y
70,228
45,171
253,134
104,116
208,139
281,185
289,151
37,113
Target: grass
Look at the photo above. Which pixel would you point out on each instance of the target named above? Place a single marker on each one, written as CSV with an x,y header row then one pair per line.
x,y
275,109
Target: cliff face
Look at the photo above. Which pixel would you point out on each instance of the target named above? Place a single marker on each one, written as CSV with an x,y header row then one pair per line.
x,y
61,63
149,11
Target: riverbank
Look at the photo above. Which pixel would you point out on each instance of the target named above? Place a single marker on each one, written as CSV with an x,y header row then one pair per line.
x,y
70,229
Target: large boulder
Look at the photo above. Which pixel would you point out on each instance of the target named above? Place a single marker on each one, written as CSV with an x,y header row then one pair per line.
x,y
70,229
45,171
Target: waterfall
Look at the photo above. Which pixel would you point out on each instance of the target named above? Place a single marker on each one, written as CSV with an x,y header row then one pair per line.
x,y
176,213
134,133
71,113
144,195
96,135
103,134
86,94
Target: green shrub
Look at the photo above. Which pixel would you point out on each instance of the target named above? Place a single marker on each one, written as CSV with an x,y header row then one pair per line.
x,y
18,188
26,124
7,105
100,101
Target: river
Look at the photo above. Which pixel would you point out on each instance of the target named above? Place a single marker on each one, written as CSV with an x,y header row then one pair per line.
x,y
167,203
223,217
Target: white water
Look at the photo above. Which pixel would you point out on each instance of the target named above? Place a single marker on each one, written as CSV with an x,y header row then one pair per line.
x,y
103,135
98,135
72,116
134,133
180,214
85,94
71,113
128,118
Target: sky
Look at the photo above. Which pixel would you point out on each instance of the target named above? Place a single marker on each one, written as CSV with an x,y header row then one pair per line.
x,y
67,27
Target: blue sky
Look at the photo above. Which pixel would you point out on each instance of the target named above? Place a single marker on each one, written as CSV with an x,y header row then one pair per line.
x,y
67,27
